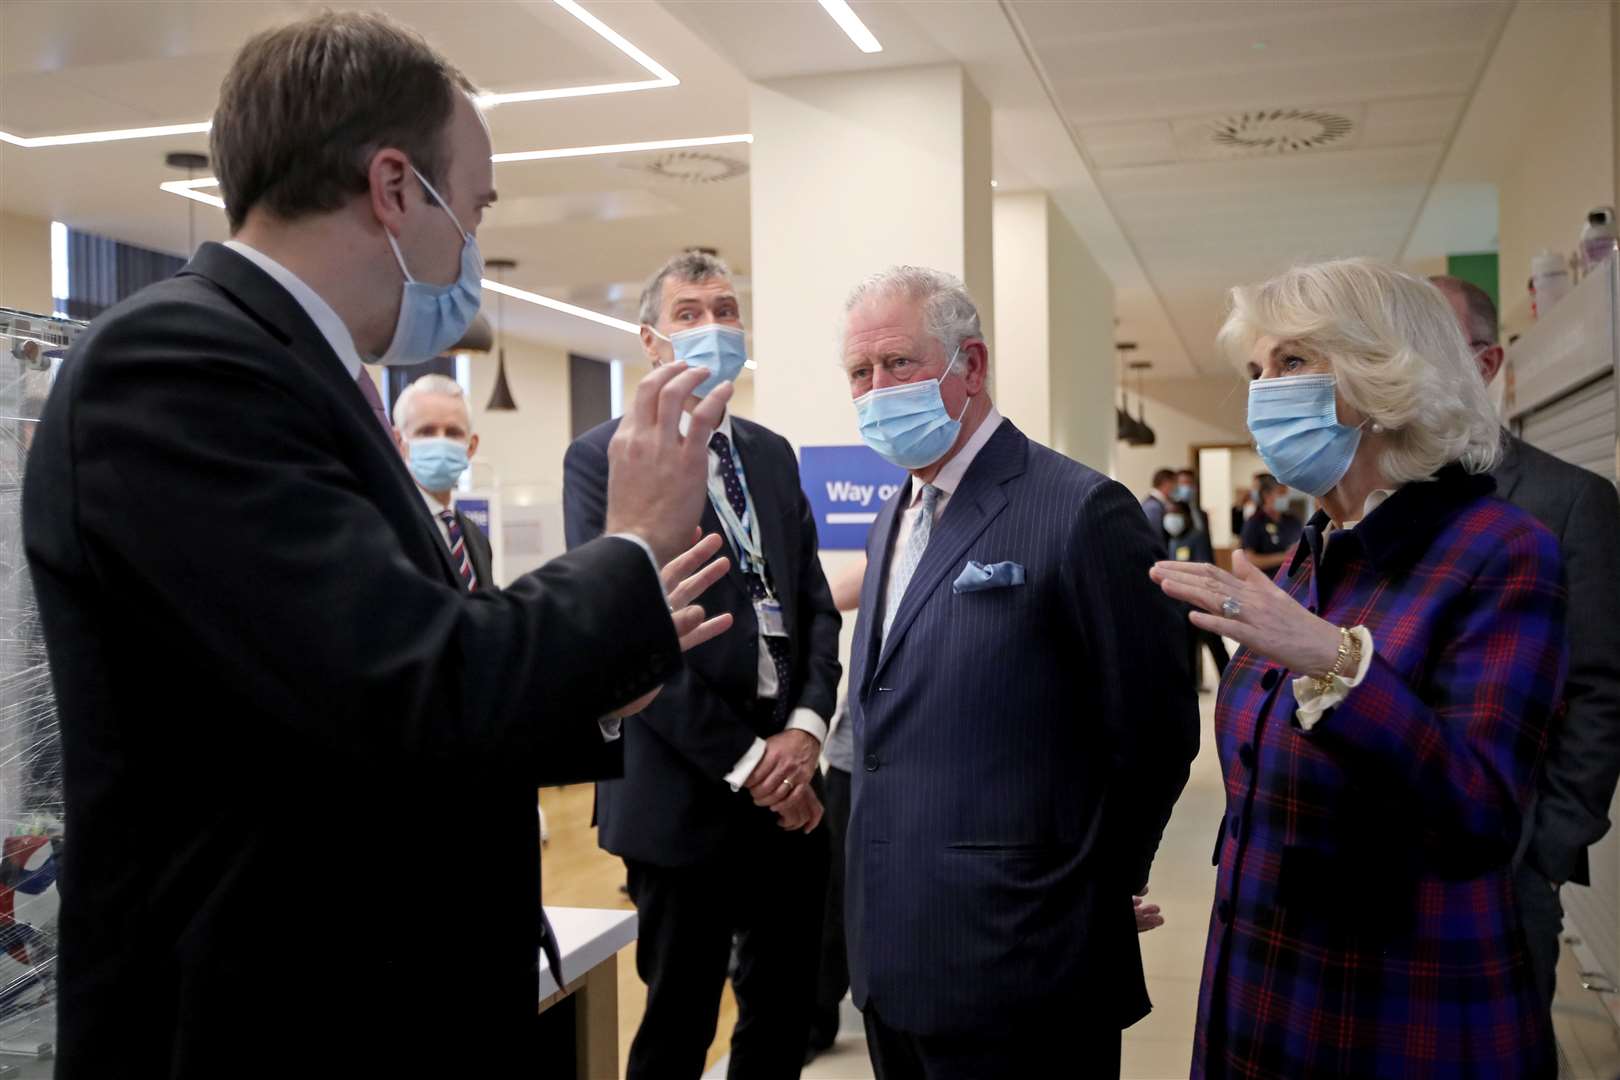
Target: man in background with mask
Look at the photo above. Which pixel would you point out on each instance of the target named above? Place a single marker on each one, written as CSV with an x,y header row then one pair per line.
x,y
716,817
1582,762
301,758
435,429
1023,713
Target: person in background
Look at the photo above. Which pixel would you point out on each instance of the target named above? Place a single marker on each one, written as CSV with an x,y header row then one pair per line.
x,y
832,982
1269,537
1020,731
1186,491
1582,761
1381,726
716,817
1158,500
437,439
1189,543
301,758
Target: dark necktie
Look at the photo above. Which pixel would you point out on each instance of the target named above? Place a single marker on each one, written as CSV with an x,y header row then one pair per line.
x,y
458,549
738,498
368,390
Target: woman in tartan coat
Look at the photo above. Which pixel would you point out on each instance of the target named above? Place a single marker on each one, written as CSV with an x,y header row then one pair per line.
x,y
1380,729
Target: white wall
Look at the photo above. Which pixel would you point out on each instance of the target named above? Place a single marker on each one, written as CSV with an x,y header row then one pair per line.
x,y
1084,373
25,263
1204,412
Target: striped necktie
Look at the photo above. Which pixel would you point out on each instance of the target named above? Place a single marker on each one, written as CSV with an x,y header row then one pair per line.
x,y
458,549
906,561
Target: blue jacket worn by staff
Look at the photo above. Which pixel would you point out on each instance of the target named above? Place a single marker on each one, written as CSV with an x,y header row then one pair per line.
x,y
1019,746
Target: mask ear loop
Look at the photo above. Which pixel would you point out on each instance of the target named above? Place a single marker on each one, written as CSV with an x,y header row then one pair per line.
x,y
957,419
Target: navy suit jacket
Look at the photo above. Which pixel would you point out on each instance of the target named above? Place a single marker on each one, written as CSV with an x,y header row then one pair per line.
x,y
1017,753
673,807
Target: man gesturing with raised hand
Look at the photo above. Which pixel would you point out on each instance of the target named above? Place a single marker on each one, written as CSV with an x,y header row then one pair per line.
x,y
301,757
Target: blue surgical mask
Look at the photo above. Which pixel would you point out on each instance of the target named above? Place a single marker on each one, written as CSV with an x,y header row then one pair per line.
x,y
721,350
1295,424
434,317
1175,524
1182,493
438,463
908,424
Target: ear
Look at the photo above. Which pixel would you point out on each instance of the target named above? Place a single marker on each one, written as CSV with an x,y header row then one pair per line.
x,y
1490,362
649,346
389,175
472,446
399,444
977,374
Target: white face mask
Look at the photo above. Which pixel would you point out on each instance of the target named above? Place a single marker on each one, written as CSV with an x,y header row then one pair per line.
x,y
1175,524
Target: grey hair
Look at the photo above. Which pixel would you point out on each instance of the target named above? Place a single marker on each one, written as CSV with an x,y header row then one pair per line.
x,y
1397,354
688,266
949,314
432,383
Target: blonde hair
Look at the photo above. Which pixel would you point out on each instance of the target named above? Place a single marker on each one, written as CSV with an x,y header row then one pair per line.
x,y
1396,351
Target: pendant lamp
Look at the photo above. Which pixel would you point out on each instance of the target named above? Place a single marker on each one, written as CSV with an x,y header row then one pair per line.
x,y
500,400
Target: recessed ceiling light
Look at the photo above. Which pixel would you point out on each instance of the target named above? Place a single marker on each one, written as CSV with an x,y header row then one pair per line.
x,y
994,184
662,77
850,23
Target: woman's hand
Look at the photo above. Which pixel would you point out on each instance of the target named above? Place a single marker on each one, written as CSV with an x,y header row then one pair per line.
x,y
1264,618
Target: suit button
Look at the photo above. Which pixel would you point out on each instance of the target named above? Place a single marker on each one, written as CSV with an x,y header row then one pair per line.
x,y
1268,681
871,763
1246,755
1224,912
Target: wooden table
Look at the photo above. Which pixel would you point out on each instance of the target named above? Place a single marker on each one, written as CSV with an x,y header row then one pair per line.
x,y
590,940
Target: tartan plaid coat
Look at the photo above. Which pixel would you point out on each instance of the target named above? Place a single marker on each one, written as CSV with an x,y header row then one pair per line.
x,y
1365,923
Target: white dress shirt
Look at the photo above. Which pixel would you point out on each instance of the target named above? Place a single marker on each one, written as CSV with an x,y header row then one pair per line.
x,y
436,508
949,479
803,719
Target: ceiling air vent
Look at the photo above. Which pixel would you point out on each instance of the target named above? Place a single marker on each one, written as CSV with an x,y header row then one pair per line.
x,y
1266,132
691,167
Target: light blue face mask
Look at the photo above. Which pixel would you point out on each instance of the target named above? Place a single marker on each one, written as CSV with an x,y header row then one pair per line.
x,y
434,317
907,424
722,350
437,463
1295,424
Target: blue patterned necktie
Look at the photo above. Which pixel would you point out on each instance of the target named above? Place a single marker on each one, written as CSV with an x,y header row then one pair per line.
x,y
738,498
905,562
458,549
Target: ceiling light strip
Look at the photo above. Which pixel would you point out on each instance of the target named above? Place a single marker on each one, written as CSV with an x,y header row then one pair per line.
x,y
850,23
662,78
187,189
559,305
616,148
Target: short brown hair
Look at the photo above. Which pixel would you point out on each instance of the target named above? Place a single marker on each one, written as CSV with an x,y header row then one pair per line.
x,y
304,107
691,266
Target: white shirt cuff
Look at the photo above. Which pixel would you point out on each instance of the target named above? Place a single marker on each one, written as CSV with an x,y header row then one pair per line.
x,y
644,546
1314,704
612,728
807,721
739,774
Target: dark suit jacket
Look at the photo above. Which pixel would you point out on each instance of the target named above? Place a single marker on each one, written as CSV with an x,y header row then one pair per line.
x,y
673,807
1583,754
477,551
301,761
1017,754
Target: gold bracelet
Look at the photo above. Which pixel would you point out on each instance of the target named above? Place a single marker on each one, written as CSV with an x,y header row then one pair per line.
x,y
1348,644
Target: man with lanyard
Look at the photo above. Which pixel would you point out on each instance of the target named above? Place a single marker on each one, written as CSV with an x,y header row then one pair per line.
x,y
716,816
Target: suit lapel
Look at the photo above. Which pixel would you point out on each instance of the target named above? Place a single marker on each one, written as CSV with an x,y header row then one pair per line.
x,y
862,651
762,488
1509,472
274,307
971,509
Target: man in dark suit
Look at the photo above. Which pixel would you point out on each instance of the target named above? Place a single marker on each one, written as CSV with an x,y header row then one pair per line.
x,y
716,815
1156,503
301,757
1582,762
1024,719
436,436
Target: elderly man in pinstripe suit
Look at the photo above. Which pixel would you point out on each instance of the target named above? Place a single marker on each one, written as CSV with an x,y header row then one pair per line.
x,y
1024,719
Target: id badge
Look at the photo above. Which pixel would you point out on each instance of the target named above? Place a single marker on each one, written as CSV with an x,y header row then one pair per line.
x,y
771,622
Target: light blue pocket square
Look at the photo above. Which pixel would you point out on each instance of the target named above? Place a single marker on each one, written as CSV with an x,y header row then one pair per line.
x,y
976,577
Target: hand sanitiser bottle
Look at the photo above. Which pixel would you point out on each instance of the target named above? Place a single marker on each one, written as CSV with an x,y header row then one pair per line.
x,y
1598,239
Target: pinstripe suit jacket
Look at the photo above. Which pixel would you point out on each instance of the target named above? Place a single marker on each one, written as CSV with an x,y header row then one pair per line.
x,y
1017,753
1366,923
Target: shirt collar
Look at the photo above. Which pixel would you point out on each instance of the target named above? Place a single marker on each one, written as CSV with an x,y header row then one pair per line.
x,y
319,311
951,474
433,504
1401,525
724,427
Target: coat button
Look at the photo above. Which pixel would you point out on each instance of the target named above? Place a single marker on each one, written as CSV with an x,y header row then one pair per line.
x,y
1246,755
871,763
1268,681
1224,912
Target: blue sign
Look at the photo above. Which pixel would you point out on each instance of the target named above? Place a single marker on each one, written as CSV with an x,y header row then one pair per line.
x,y
846,486
477,511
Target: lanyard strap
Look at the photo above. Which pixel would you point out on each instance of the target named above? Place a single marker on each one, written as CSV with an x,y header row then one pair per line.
x,y
746,537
